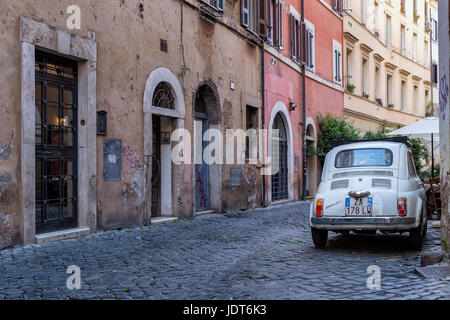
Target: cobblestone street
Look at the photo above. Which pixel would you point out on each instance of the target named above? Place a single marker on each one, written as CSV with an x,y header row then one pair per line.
x,y
260,254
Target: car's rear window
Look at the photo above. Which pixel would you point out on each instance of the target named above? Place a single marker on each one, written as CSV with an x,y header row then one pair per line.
x,y
364,158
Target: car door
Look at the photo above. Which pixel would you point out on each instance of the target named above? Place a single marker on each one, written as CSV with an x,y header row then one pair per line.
x,y
415,183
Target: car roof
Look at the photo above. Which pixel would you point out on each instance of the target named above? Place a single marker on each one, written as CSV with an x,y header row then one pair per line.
x,y
369,144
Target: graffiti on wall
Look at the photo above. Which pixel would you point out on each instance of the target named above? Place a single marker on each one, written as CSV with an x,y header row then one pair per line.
x,y
5,151
133,168
443,96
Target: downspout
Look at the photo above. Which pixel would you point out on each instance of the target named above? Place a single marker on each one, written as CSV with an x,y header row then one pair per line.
x,y
303,113
263,116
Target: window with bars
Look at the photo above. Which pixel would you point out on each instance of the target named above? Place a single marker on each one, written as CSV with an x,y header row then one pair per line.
x,y
56,95
216,4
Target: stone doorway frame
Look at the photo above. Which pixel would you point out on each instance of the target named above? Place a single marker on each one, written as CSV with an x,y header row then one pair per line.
x,y
215,170
171,185
314,170
280,108
37,35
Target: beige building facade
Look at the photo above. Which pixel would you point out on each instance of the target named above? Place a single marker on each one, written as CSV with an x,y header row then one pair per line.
x,y
89,106
387,57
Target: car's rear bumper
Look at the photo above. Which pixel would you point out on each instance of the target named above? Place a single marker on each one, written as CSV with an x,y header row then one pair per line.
x,y
364,223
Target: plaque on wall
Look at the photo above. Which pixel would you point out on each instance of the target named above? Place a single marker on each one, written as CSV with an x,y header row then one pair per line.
x,y
236,177
112,160
297,163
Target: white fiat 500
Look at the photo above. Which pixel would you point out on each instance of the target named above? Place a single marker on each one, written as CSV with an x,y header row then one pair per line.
x,y
367,187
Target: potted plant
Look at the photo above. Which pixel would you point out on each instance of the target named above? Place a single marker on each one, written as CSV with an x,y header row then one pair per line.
x,y
350,87
390,106
365,95
379,101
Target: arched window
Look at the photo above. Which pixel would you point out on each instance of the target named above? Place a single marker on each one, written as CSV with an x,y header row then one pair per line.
x,y
163,96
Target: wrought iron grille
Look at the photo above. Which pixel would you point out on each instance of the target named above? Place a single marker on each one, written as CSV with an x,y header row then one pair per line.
x,y
156,167
163,96
280,158
56,142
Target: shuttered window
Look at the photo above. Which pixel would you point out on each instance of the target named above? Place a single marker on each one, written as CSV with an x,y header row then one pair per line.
x,y
275,22
337,62
255,16
309,48
338,6
297,39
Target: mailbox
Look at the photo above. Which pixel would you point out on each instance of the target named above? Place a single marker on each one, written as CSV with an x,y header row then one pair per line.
x,y
102,126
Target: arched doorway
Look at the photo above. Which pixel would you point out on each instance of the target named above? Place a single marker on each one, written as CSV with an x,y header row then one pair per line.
x,y
280,145
164,112
164,98
311,166
207,177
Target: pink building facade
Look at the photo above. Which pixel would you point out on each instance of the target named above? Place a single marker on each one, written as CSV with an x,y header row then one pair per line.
x,y
297,43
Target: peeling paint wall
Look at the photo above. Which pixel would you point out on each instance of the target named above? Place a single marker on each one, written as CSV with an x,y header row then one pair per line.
x,y
130,35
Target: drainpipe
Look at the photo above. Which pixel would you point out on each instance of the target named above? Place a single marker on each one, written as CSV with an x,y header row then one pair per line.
x,y
263,116
303,113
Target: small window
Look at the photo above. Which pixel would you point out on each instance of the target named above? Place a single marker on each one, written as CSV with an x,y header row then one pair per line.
x,y
364,158
337,62
434,73
217,4
250,14
337,6
294,37
309,48
411,167
434,32
251,124
275,23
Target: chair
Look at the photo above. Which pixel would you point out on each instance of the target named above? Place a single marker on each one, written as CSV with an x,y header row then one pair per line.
x,y
434,197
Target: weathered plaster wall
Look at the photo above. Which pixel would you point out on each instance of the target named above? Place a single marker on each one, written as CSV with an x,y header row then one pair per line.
x,y
129,38
283,84
444,73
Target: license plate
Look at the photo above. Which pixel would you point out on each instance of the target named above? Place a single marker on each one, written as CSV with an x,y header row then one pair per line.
x,y
359,206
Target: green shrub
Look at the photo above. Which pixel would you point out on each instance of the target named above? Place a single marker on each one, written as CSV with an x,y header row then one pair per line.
x,y
333,129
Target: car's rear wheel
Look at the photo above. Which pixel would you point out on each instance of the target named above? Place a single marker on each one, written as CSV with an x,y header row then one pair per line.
x,y
416,235
320,237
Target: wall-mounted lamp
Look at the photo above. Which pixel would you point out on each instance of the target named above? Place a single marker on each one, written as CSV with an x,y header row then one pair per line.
x,y
292,106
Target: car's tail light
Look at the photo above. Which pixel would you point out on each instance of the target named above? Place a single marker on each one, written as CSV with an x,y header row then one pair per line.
x,y
319,207
402,207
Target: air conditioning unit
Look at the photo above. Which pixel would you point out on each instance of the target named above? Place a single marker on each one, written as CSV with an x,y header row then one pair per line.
x,y
428,27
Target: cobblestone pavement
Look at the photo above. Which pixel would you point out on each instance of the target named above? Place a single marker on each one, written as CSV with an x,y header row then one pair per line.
x,y
259,254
